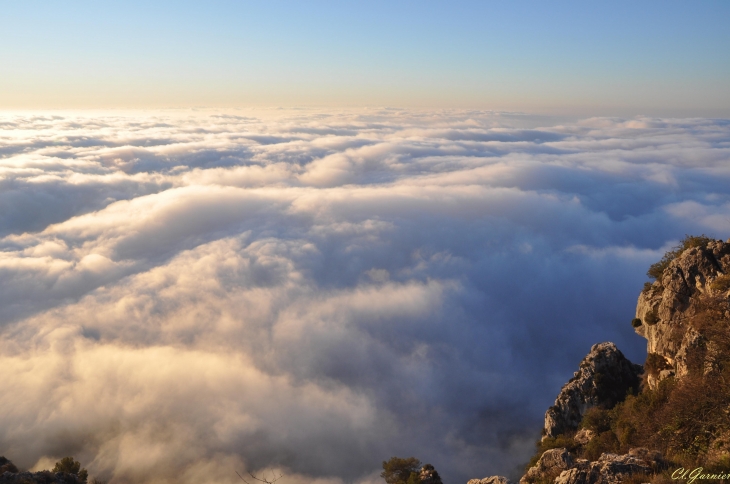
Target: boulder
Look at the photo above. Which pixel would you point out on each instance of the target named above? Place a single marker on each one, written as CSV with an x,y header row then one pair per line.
x,y
429,475
552,462
490,480
583,436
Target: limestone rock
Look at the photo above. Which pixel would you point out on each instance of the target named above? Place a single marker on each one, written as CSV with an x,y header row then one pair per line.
x,y
666,306
552,462
608,469
428,475
490,480
603,379
583,436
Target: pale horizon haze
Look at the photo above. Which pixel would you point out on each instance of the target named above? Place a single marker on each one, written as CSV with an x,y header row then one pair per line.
x,y
619,58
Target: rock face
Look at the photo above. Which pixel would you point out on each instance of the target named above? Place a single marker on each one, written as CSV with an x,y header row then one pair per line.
x,y
683,315
608,469
583,436
490,480
428,475
557,466
603,379
664,307
551,464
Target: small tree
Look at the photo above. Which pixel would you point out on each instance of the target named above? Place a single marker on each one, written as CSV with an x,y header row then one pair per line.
x,y
398,470
71,466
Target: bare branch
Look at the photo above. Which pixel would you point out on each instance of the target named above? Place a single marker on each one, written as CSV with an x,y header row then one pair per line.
x,y
264,480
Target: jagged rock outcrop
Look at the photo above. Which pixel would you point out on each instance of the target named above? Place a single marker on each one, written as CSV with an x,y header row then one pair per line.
x,y
429,475
490,480
604,377
608,469
611,468
552,462
665,307
685,317
559,467
583,436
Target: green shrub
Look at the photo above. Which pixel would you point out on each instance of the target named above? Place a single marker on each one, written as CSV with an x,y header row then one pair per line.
x,y
400,470
636,322
647,287
603,442
651,318
657,269
558,442
71,466
596,419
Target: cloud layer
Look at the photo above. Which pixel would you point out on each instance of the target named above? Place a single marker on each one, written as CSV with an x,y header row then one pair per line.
x,y
184,295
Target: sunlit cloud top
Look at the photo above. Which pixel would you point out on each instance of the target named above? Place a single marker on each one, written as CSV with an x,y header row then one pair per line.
x,y
188,294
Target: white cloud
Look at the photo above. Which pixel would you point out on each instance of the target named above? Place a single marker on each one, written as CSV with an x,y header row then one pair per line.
x,y
184,295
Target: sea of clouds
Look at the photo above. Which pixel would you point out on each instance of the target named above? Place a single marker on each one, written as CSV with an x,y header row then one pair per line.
x,y
189,294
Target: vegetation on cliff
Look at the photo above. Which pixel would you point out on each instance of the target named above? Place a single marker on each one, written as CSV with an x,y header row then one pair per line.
x,y
66,471
681,411
398,470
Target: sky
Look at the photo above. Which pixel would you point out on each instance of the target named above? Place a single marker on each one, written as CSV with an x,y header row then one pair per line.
x,y
659,58
186,294
305,237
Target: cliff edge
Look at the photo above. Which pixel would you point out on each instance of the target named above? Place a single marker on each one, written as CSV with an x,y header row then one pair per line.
x,y
616,422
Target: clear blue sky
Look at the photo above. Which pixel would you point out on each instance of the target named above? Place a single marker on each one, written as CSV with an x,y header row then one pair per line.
x,y
658,57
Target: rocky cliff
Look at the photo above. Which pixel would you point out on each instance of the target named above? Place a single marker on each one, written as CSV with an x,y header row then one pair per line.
x,y
684,290
615,421
603,379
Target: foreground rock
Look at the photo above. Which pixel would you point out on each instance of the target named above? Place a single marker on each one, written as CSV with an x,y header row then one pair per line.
x,y
558,466
429,475
611,468
490,480
603,379
551,464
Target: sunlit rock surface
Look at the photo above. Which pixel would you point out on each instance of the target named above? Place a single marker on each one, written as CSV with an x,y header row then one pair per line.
x,y
665,307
